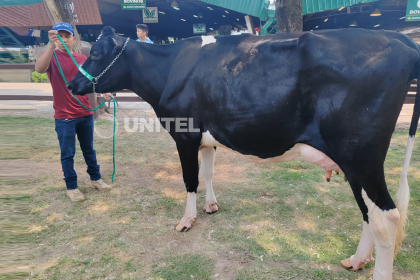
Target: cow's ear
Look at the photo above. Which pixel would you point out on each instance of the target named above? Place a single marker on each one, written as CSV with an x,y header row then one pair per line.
x,y
118,42
108,31
114,41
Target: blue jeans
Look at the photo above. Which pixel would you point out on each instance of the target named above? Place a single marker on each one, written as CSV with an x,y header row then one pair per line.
x,y
66,131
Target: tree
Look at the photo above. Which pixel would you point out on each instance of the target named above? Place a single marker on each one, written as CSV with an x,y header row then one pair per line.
x,y
289,16
59,11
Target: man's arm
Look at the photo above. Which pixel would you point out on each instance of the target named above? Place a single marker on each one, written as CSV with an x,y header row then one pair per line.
x,y
43,62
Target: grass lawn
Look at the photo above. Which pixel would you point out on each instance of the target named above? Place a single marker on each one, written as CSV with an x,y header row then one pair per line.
x,y
275,221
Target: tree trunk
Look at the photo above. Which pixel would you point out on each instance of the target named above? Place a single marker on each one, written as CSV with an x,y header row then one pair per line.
x,y
289,16
59,11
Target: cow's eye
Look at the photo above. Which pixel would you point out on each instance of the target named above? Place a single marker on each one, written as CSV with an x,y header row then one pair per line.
x,y
96,55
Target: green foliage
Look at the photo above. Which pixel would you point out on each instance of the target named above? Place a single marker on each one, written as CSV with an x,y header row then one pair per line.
x,y
39,78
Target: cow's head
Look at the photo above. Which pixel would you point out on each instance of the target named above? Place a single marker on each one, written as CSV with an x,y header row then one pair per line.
x,y
102,54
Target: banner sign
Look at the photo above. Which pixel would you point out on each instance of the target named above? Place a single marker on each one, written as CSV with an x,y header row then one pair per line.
x,y
133,4
150,15
199,28
413,10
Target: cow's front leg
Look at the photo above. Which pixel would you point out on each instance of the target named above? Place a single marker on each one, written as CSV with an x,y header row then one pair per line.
x,y
207,170
188,154
190,213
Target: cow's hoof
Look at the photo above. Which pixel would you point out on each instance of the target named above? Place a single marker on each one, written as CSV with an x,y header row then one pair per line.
x,y
184,225
346,264
211,208
328,176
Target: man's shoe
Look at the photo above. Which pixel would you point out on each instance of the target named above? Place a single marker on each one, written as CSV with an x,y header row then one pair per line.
x,y
100,185
75,195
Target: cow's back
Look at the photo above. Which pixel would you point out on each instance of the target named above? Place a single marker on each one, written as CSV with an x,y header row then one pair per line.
x,y
282,89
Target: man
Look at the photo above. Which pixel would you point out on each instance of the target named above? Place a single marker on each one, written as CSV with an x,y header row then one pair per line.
x,y
71,119
142,33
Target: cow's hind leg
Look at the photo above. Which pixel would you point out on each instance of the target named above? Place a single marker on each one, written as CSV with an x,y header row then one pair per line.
x,y
207,170
383,225
188,154
381,216
364,251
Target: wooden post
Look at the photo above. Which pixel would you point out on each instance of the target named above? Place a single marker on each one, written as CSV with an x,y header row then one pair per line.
x,y
93,100
59,11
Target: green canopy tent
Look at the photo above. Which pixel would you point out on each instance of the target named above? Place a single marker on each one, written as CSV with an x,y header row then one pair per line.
x,y
256,8
259,8
18,2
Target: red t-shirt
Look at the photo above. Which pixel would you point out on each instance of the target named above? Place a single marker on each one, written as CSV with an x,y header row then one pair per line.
x,y
65,106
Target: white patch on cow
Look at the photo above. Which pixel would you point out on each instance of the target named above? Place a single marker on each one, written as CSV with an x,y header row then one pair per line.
x,y
364,250
304,151
191,209
402,197
208,40
207,140
190,212
383,227
408,152
207,170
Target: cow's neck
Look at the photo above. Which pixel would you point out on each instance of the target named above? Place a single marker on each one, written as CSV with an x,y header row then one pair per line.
x,y
150,66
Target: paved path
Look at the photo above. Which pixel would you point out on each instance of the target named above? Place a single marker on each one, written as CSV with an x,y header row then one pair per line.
x,y
44,89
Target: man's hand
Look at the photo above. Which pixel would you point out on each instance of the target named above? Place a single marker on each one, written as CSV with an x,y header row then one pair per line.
x,y
43,62
52,35
107,96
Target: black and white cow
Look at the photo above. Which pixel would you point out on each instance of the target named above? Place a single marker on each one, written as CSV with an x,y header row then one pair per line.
x,y
331,97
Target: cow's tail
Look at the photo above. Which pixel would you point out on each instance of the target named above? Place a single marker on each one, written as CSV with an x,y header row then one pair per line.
x,y
403,193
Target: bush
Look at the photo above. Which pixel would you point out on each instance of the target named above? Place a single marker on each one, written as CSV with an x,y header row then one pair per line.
x,y
39,78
